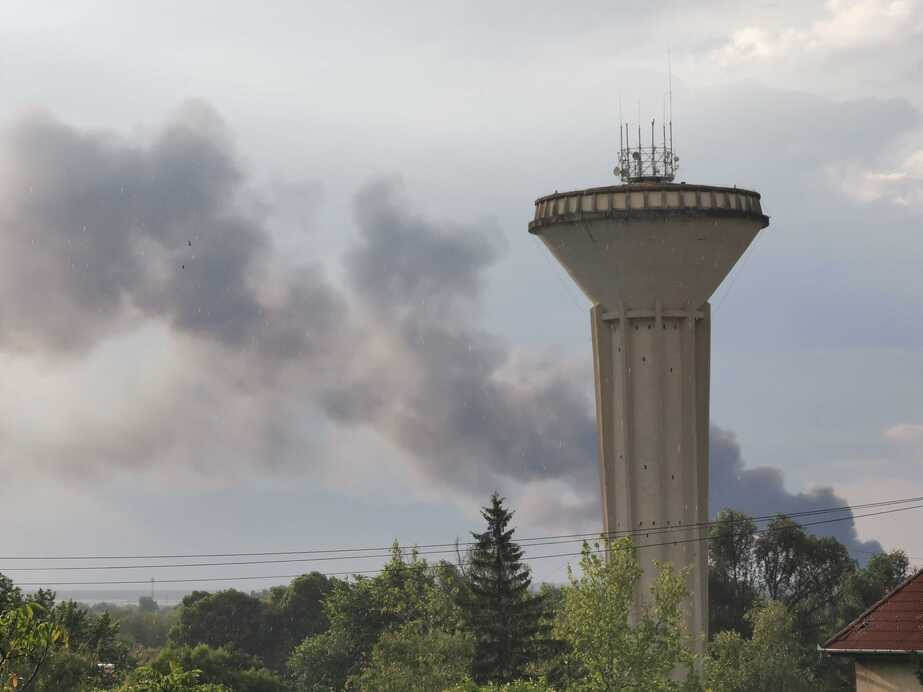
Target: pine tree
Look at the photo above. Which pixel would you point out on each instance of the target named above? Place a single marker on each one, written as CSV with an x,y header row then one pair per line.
x,y
503,615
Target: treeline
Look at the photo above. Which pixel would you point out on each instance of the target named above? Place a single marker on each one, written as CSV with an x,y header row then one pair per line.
x,y
475,626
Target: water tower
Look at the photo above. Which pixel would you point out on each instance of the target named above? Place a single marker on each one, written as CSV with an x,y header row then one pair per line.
x,y
649,253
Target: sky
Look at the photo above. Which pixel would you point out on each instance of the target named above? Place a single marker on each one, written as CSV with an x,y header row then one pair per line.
x,y
266,282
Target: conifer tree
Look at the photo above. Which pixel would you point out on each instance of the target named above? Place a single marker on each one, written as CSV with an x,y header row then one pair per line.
x,y
502,614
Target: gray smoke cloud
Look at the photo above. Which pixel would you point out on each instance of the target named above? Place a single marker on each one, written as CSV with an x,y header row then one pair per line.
x,y
456,398
760,491
757,491
100,235
101,232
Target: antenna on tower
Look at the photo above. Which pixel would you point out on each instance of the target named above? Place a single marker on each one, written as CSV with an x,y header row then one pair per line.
x,y
670,93
640,163
621,124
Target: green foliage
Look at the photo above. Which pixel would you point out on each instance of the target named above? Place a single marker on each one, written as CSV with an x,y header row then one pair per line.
x,y
10,594
139,627
96,637
68,671
358,613
773,659
809,574
732,574
401,625
146,604
883,573
505,619
323,662
414,659
86,640
268,628
26,642
605,651
518,686
91,640
146,679
234,670
230,619
295,612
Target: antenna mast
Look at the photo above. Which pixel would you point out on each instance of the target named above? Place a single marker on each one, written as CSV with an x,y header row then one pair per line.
x,y
670,92
640,163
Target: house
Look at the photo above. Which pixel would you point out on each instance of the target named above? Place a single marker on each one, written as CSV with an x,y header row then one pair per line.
x,y
886,641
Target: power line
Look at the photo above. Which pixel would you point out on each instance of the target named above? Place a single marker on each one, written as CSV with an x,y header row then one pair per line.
x,y
529,540
558,540
699,539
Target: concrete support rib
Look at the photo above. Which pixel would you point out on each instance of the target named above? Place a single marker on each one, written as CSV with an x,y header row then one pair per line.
x,y
652,408
602,370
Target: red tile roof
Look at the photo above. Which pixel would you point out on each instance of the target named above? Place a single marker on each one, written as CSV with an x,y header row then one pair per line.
x,y
893,624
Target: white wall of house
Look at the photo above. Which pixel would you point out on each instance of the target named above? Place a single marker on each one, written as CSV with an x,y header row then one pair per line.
x,y
887,675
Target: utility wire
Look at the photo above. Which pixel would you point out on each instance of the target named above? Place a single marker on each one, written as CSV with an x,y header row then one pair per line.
x,y
700,539
454,545
410,551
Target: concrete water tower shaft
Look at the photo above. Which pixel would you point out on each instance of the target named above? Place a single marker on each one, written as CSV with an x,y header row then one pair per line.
x,y
649,253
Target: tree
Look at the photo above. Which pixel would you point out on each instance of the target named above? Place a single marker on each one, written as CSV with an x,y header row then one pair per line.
x,y
416,659
809,574
359,613
70,661
26,642
431,649
773,660
149,629
295,612
518,686
146,679
230,619
236,671
146,604
606,652
732,586
883,573
502,614
10,594
91,640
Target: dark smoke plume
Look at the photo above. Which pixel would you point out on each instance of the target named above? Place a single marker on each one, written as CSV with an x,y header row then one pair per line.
x,y
100,235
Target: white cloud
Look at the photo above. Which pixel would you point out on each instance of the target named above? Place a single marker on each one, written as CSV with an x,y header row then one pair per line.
x,y
843,48
905,432
900,184
847,25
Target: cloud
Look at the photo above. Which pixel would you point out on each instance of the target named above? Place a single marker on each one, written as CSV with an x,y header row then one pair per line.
x,y
842,48
905,432
101,233
847,25
144,318
900,184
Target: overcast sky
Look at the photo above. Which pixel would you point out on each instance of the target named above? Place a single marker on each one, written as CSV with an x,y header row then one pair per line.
x,y
266,283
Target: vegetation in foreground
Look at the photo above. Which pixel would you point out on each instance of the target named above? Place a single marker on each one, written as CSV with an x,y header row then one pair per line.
x,y
477,626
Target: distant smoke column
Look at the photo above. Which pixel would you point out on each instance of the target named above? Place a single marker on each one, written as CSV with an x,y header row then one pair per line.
x,y
649,254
